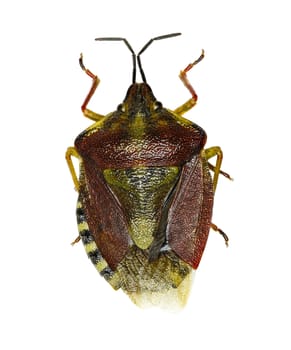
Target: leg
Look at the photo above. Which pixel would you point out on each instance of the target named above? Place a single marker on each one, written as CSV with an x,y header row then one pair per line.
x,y
71,151
209,153
214,152
75,241
224,235
87,112
212,167
183,76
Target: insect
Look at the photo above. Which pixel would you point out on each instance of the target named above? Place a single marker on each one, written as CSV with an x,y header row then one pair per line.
x,y
145,190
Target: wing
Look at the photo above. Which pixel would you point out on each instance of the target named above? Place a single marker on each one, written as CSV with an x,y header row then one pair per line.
x,y
104,215
190,214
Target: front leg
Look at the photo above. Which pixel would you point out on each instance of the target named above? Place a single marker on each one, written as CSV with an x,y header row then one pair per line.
x,y
87,112
185,107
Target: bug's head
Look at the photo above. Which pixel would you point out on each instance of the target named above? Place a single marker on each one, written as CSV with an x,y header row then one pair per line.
x,y
140,100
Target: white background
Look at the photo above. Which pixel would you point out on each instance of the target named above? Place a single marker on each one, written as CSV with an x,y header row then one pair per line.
x,y
51,296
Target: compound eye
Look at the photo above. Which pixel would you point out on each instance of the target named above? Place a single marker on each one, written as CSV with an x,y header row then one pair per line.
x,y
121,108
157,105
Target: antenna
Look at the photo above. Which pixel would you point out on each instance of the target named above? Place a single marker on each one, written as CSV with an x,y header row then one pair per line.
x,y
137,57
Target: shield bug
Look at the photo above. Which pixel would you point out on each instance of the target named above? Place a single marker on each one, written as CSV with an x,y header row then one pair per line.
x,y
145,190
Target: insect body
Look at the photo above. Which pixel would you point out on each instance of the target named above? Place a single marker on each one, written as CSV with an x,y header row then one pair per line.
x,y
145,191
